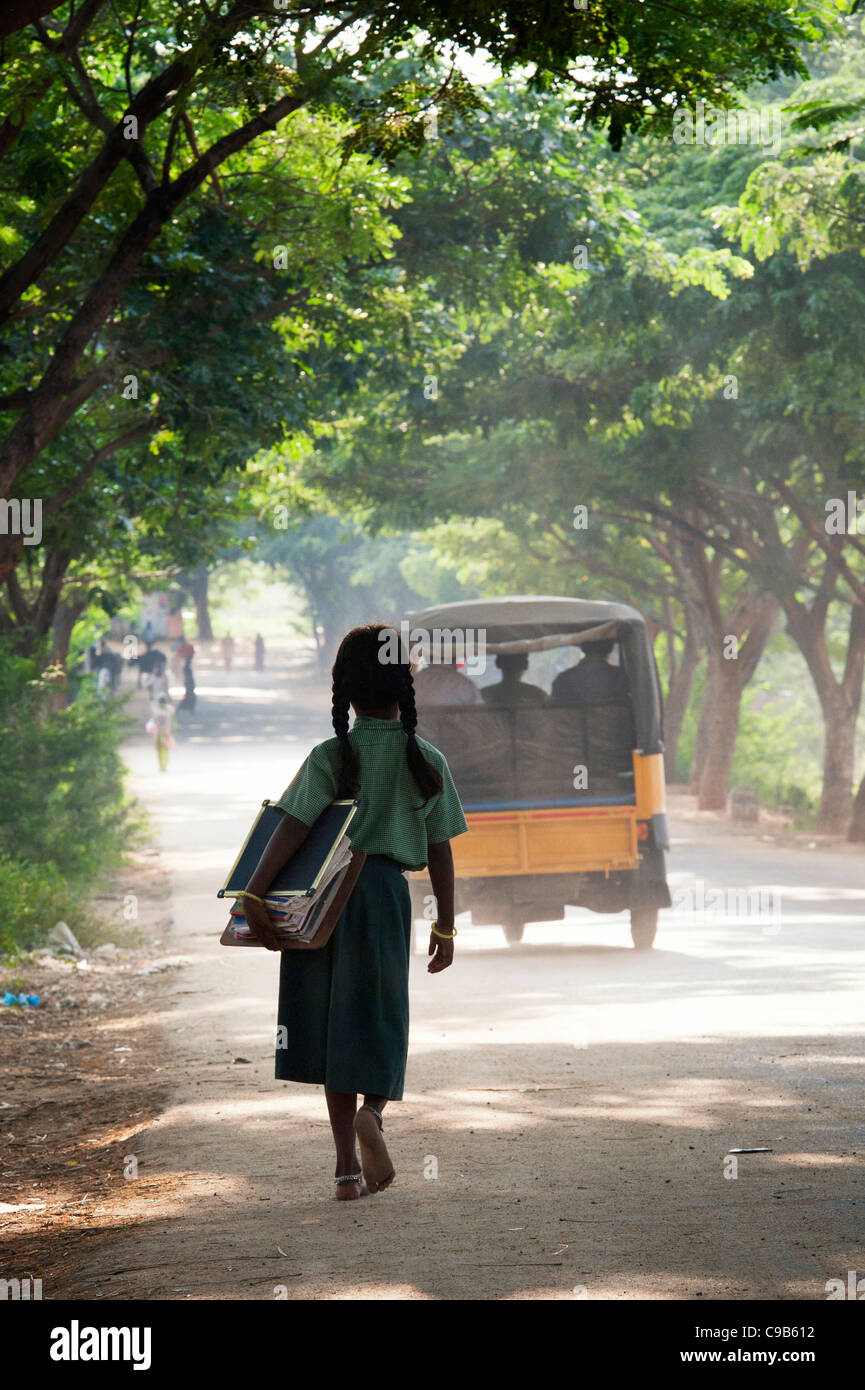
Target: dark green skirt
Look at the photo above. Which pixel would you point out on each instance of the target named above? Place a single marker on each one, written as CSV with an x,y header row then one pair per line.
x,y
343,1010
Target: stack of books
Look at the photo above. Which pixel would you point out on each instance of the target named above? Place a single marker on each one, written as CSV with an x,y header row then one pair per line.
x,y
309,893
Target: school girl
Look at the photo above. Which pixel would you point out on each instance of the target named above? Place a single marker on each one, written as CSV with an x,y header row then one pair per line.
x,y
343,1010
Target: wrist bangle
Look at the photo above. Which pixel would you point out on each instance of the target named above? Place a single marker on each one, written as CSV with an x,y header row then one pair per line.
x,y
254,896
445,936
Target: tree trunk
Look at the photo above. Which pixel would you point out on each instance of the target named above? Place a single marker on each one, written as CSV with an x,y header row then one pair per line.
x,y
836,799
747,624
720,748
67,615
677,699
754,614
34,617
839,702
65,618
704,722
197,584
856,833
842,712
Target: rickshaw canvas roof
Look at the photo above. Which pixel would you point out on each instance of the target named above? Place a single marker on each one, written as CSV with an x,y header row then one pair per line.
x,y
524,615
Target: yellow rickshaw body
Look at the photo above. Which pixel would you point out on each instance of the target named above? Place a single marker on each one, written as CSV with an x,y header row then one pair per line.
x,y
562,839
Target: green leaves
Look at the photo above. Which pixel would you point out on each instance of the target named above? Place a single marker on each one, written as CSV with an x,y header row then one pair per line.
x,y
812,197
401,119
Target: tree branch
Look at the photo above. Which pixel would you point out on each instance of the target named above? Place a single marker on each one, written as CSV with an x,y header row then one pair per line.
x,y
121,441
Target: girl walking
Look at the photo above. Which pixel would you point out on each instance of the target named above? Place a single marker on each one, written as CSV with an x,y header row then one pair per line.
x,y
343,1010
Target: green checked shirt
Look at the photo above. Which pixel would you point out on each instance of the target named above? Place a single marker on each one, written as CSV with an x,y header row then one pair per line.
x,y
390,818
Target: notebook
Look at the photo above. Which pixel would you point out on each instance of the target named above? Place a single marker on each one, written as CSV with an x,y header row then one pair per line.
x,y
309,893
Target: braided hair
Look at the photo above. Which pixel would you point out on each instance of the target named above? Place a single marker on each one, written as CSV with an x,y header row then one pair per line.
x,y
362,680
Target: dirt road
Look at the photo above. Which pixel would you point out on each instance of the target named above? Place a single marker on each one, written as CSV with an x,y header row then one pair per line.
x,y
570,1103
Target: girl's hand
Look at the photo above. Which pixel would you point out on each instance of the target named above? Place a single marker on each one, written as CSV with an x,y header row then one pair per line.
x,y
259,921
441,872
442,953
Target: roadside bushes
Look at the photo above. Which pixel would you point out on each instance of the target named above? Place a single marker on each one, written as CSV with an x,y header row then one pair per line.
x,y
770,758
65,819
34,898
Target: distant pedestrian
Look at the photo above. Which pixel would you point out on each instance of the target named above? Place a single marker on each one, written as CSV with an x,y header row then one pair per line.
x,y
187,651
259,652
147,634
227,650
152,666
105,660
160,725
159,684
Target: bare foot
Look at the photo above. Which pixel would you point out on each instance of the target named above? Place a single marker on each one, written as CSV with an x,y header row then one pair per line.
x,y
350,1191
374,1157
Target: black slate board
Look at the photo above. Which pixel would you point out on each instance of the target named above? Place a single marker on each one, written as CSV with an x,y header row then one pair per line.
x,y
301,872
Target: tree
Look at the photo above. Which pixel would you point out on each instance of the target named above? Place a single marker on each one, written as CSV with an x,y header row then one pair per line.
x,y
156,105
214,357
642,401
811,200
811,197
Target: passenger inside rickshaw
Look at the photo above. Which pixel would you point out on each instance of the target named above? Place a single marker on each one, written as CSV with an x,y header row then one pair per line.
x,y
536,750
593,677
444,684
512,689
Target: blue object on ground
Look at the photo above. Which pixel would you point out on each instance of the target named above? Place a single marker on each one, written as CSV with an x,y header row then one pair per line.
x,y
10,998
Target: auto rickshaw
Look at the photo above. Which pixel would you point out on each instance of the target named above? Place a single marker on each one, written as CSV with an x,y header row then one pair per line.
x,y
564,800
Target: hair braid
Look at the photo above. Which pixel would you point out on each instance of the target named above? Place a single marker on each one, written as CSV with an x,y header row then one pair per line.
x,y
348,768
427,777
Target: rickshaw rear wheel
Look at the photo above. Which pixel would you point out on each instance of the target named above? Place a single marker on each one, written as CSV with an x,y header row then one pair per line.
x,y
513,932
644,926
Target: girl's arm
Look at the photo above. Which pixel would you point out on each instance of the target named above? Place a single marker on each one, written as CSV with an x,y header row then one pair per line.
x,y
441,873
285,841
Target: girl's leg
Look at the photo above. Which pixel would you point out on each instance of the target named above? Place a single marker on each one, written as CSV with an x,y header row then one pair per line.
x,y
377,1102
342,1108
378,1169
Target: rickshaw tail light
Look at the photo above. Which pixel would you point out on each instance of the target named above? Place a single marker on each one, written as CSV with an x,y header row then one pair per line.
x,y
642,830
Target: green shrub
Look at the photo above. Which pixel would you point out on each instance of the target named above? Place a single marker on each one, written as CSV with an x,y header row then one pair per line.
x,y
34,898
770,759
65,819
